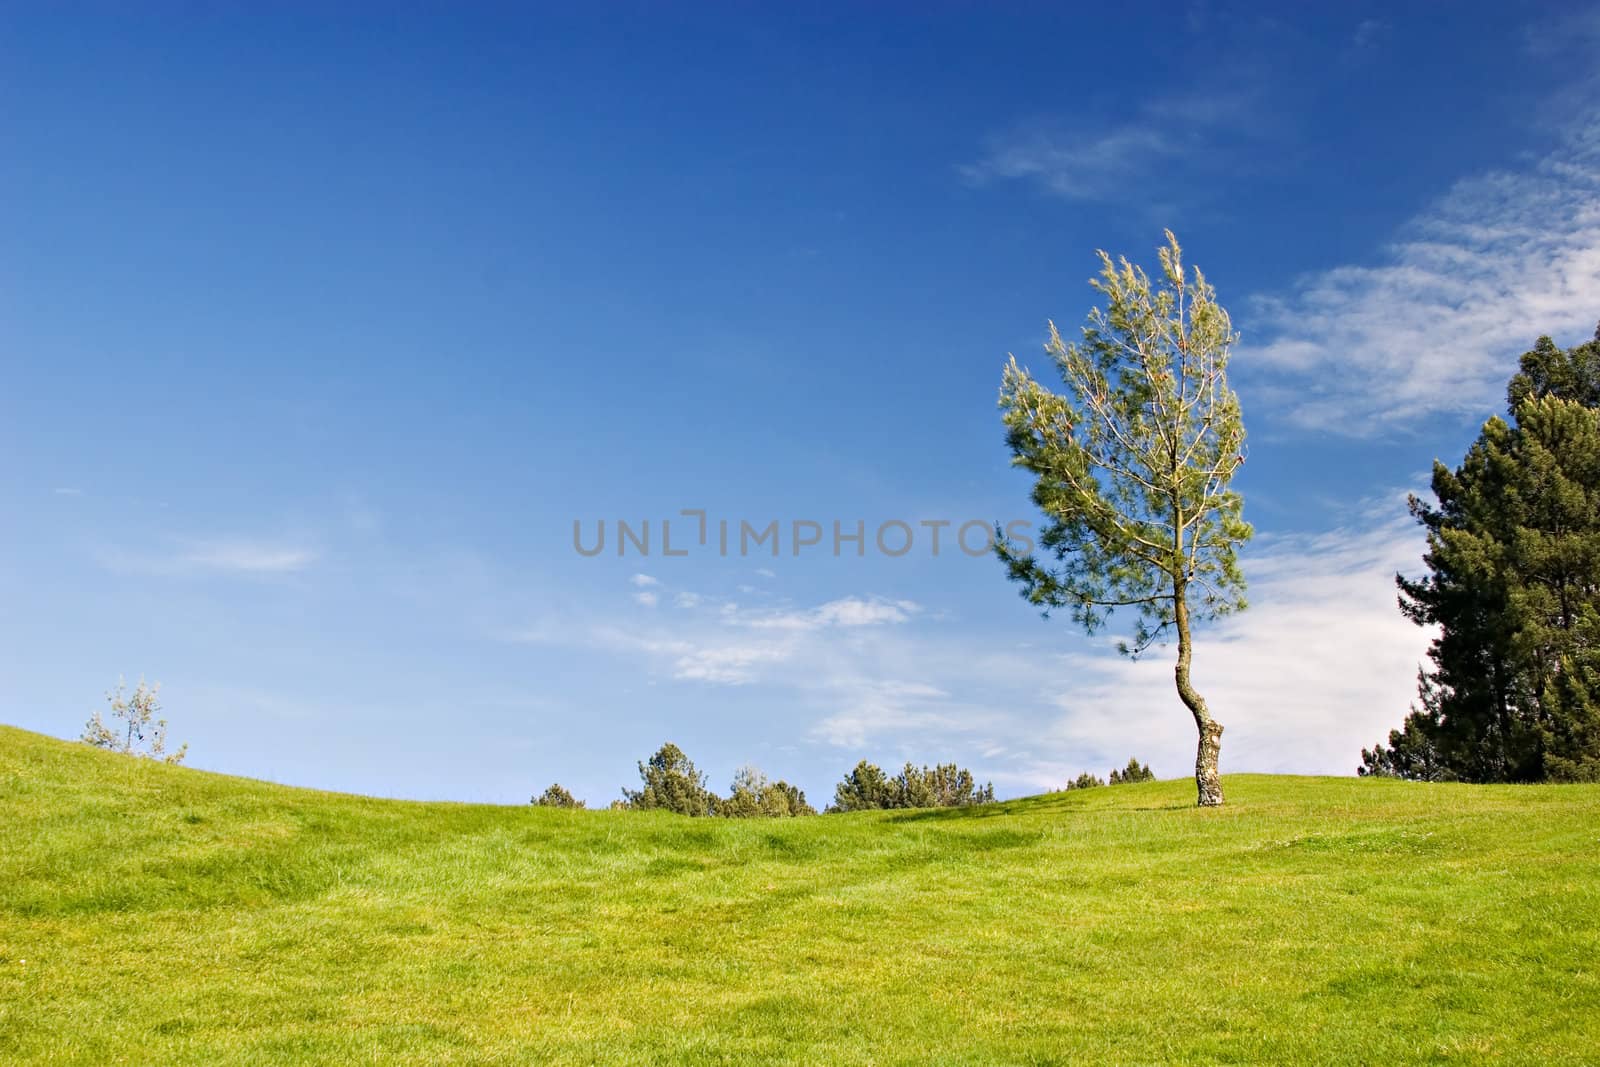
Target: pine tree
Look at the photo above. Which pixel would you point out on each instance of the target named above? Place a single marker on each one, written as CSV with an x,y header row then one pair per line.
x,y
865,788
1133,772
1513,584
557,796
753,795
669,781
1132,467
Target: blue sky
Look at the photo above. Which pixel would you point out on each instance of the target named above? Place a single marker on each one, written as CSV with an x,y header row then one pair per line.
x,y
319,330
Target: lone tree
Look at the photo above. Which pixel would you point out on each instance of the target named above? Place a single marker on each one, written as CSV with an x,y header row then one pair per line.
x,y
139,733
1132,466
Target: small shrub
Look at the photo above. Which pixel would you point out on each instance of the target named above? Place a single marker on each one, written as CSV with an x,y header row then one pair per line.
x,y
557,797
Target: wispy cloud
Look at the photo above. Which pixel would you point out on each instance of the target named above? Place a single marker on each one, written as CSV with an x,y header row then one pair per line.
x,y
1370,33
730,645
1435,328
724,664
223,556
848,611
67,492
251,557
644,580
1570,32
1089,161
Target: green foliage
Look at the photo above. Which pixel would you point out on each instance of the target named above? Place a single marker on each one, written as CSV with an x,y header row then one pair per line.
x,y
670,782
1086,780
1548,370
942,786
867,788
1513,584
556,796
140,732
753,795
151,914
1133,772
1132,464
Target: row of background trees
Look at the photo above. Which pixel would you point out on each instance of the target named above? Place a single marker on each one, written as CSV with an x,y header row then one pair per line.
x,y
669,781
1512,690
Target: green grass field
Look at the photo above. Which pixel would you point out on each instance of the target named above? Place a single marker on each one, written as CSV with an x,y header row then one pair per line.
x,y
152,914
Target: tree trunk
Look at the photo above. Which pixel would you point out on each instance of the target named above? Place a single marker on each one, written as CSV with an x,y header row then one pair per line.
x,y
1206,779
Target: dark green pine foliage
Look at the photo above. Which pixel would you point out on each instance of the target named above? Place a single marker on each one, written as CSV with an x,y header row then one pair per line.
x,y
1513,583
867,788
1133,772
557,796
670,782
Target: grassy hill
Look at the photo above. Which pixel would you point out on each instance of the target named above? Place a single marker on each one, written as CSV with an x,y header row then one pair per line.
x,y
152,914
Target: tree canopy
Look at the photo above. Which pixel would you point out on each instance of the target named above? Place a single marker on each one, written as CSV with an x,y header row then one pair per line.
x,y
669,781
139,731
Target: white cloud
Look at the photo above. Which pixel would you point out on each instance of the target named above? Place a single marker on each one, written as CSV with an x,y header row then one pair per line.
x,y
249,557
223,556
726,664
1082,163
848,611
644,580
766,572
687,600
874,710
733,646
1435,329
67,492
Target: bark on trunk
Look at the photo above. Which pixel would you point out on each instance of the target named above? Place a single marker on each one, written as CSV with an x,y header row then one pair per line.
x,y
1206,779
